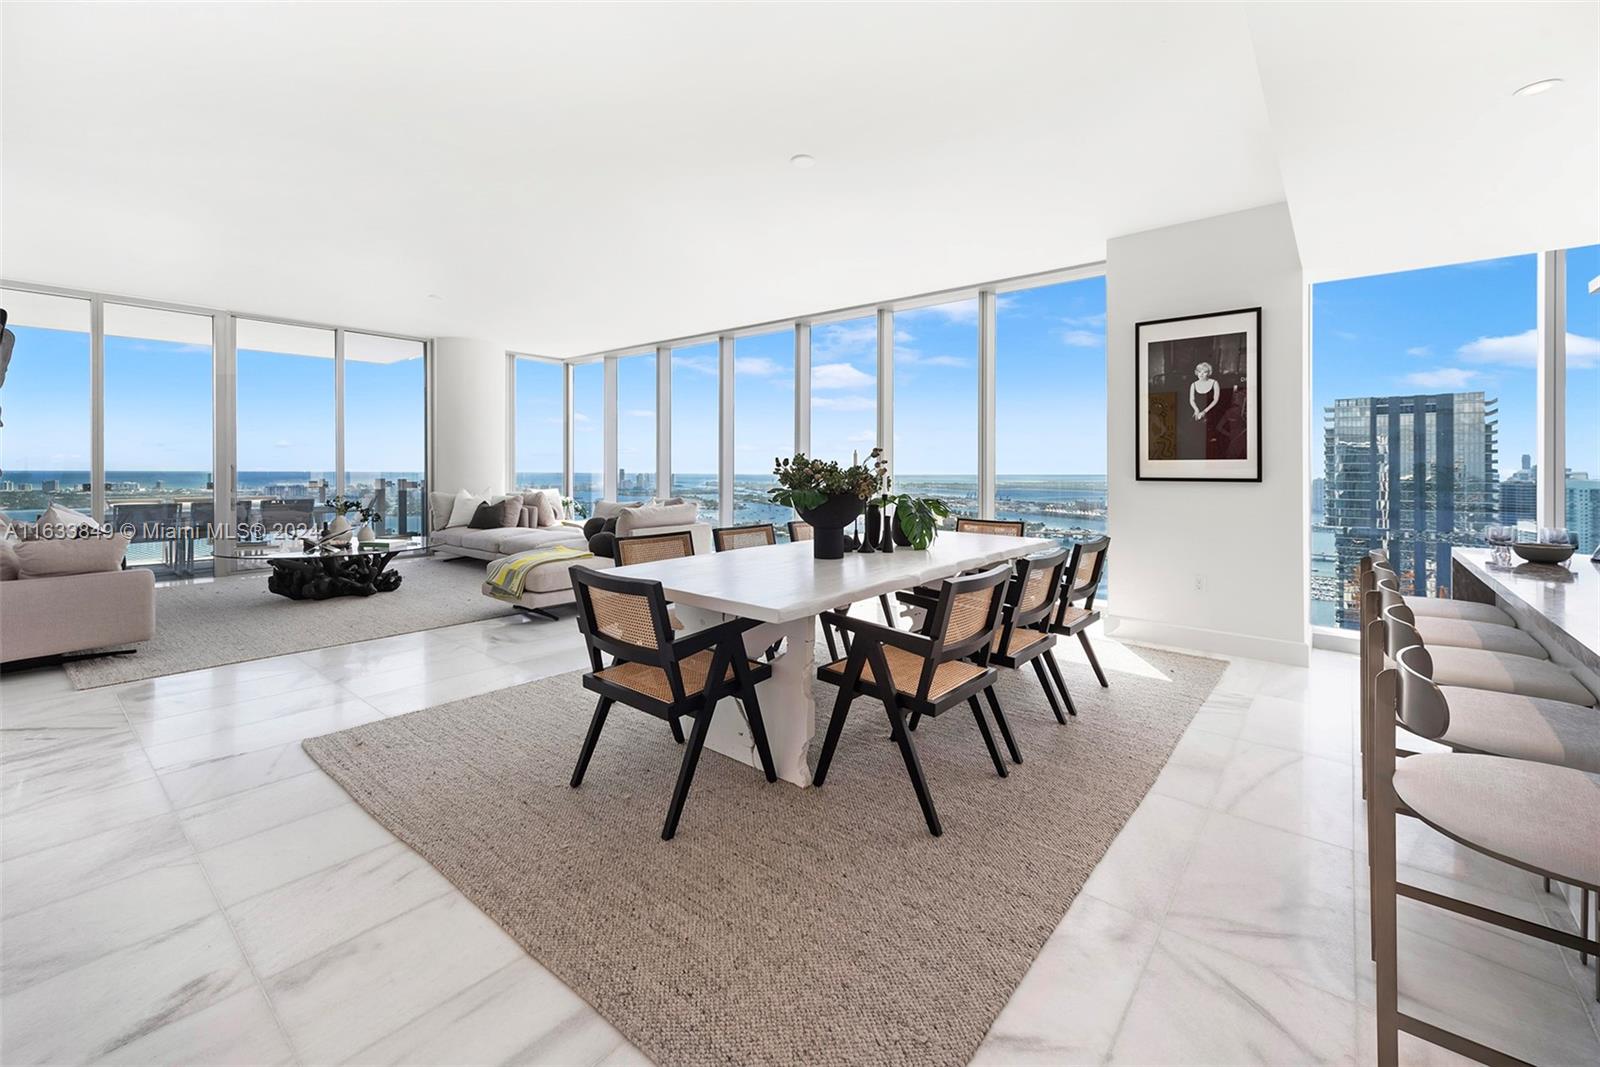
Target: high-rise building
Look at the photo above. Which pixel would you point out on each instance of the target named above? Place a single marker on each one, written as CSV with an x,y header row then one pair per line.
x,y
1519,494
1413,474
1583,510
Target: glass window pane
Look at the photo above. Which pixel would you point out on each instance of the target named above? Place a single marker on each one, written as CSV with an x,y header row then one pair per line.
x,y
285,423
763,424
158,443
1425,381
44,406
636,427
936,404
385,419
844,388
1583,396
541,421
588,444
695,427
1050,411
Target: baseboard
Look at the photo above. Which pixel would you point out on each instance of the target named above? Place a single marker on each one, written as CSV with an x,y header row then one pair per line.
x,y
1216,642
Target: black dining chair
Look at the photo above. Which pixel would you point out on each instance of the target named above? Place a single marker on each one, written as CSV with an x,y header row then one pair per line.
x,y
626,619
1081,581
920,675
1024,637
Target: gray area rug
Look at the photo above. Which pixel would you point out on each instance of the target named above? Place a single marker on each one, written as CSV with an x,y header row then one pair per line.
x,y
235,619
781,925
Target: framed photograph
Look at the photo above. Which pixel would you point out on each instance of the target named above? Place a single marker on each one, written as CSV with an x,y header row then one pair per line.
x,y
1198,415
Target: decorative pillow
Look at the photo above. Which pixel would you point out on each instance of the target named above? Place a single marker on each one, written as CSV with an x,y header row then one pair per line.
x,y
58,521
529,515
649,516
463,507
439,505
10,566
81,555
495,515
546,506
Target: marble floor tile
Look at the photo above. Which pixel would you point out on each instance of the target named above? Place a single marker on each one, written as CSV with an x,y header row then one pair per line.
x,y
1290,790
263,861
295,921
212,779
153,733
434,666
37,878
81,816
1296,725
91,1012
444,690
1069,1006
236,1031
44,766
1194,769
519,1014
346,662
1222,713
1141,868
92,709
215,687
1279,900
348,711
72,931
214,823
35,684
1198,1005
342,1000
1414,1052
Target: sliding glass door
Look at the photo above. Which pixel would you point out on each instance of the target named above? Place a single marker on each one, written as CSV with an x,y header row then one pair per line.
x,y
285,428
45,411
385,427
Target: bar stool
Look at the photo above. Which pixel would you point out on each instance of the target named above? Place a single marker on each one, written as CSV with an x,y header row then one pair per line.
x,y
1536,816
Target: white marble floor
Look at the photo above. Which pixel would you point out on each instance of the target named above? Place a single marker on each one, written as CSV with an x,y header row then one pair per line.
x,y
180,884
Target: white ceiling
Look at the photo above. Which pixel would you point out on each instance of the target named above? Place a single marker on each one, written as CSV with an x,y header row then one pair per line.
x,y
573,178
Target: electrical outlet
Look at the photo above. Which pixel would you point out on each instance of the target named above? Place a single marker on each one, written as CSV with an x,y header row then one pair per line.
x,y
1199,583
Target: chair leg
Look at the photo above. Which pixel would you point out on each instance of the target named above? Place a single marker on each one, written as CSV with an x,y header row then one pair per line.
x,y
1005,727
1385,899
888,611
752,711
1088,650
691,759
677,728
902,736
595,725
1061,683
916,717
841,708
1049,692
988,738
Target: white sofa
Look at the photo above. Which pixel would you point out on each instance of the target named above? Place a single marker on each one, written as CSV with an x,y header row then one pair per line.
x,y
463,541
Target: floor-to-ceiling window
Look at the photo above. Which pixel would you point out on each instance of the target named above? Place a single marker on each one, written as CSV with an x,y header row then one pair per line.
x,y
45,412
1050,409
588,433
285,424
1425,382
385,427
1583,396
936,403
539,448
636,427
695,440
844,388
158,440
763,423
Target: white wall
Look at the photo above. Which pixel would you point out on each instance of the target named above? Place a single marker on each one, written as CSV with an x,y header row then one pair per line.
x,y
1222,567
469,415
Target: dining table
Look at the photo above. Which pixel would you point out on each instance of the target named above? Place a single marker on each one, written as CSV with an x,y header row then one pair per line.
x,y
1557,603
784,588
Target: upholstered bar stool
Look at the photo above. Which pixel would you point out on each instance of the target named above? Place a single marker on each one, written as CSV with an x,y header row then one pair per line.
x,y
1439,607
1542,818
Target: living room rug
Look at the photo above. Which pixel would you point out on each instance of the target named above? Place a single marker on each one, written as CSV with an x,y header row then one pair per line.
x,y
781,925
235,619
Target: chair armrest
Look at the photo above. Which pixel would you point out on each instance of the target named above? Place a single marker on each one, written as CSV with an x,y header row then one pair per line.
x,y
886,635
701,640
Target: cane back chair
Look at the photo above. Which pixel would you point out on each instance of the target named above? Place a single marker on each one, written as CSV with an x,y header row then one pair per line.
x,y
727,538
647,548
921,675
626,619
1023,636
1081,581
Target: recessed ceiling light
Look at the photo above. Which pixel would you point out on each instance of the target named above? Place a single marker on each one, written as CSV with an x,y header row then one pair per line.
x,y
1535,88
803,161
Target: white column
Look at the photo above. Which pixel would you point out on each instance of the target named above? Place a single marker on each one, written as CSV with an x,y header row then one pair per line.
x,y
338,412
608,422
802,387
224,443
986,404
1551,418
663,422
469,418
97,409
566,430
886,384
725,429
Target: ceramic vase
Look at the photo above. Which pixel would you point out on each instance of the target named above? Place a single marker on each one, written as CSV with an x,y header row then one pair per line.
x,y
828,521
339,530
874,530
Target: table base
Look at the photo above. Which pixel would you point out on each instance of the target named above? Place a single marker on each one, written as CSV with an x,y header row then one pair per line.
x,y
332,576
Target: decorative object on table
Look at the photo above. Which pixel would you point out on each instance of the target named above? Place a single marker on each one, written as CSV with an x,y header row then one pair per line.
x,y
1198,408
874,530
1555,545
367,535
916,520
1500,539
338,530
341,528
886,535
827,495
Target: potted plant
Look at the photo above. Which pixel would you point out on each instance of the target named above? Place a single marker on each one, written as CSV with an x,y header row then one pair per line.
x,y
345,506
916,519
827,495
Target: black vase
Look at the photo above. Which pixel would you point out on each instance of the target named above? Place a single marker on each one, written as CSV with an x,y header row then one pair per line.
x,y
828,520
899,533
874,531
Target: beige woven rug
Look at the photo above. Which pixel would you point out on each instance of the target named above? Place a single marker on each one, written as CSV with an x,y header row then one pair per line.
x,y
235,619
782,925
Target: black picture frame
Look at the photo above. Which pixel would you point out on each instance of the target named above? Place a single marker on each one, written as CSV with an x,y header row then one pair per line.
x,y
1216,324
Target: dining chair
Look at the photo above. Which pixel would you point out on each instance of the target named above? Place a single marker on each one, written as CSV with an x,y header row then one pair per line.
x,y
647,548
1534,816
921,675
925,596
1081,581
801,531
626,619
728,538
1004,527
1023,637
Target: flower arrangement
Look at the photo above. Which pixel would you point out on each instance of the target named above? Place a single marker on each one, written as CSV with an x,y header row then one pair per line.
x,y
345,505
805,482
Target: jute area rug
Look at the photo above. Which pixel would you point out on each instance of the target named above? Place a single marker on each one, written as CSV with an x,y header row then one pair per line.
x,y
781,925
235,619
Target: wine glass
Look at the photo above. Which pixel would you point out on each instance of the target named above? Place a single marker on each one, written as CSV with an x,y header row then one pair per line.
x,y
1500,539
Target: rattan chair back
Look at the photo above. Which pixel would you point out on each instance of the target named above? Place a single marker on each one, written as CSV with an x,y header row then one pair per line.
x,y
1004,527
728,538
647,548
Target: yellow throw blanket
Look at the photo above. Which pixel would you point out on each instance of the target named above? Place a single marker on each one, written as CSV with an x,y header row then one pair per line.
x,y
509,575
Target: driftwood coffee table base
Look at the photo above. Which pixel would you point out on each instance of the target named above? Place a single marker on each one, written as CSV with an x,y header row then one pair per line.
x,y
333,575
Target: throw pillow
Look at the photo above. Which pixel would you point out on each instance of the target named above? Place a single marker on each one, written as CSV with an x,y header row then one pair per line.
x,y
439,505
547,506
10,567
82,555
650,516
593,526
529,515
604,544
58,521
486,517
463,507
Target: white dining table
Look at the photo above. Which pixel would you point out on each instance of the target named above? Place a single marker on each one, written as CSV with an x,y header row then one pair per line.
x,y
785,589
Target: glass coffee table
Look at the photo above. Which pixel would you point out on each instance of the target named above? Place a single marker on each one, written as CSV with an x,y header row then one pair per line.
x,y
302,570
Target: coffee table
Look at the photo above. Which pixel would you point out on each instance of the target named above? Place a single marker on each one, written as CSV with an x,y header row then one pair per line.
x,y
299,573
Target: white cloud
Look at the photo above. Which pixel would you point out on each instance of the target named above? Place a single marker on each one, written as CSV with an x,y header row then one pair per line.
x,y
1522,350
845,403
1098,320
1420,350
911,357
841,340
1082,338
758,366
865,437
839,376
1442,378
961,312
280,444
706,365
